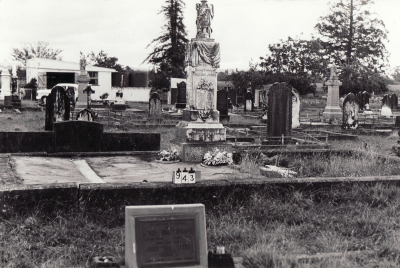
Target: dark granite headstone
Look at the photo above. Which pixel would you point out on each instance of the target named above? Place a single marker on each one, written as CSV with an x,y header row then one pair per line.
x,y
397,123
365,98
7,101
386,100
58,107
181,100
222,102
394,101
248,102
279,110
155,107
350,111
77,136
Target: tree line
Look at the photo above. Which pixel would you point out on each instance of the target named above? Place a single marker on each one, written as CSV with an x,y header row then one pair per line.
x,y
350,36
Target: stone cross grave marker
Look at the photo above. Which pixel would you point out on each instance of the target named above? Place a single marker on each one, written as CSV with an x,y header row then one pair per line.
x,y
279,110
295,109
165,236
350,111
155,106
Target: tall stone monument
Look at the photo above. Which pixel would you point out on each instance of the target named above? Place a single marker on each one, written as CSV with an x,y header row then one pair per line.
x,y
83,82
5,84
201,128
332,109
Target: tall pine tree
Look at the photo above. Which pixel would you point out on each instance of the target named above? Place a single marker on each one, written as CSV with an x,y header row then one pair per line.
x,y
352,33
353,37
168,56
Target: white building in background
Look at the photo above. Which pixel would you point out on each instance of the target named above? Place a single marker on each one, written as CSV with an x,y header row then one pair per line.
x,y
52,72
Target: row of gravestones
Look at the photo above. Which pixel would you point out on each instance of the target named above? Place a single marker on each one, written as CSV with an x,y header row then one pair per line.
x,y
352,104
391,101
155,106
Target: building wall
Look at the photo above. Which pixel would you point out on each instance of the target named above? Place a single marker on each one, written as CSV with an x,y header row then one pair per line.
x,y
139,94
103,87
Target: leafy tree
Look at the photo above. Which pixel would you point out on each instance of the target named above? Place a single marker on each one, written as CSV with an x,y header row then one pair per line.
x,y
168,55
35,50
297,62
351,32
222,76
103,60
353,38
396,74
295,56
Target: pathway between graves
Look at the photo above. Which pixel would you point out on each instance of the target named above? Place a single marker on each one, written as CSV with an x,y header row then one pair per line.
x,y
107,169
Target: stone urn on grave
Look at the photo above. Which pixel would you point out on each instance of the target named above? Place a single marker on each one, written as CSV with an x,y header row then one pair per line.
x,y
200,131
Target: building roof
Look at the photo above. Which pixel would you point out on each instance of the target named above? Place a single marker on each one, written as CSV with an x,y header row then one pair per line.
x,y
59,65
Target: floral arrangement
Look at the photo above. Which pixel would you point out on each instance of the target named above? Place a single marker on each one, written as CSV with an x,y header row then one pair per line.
x,y
169,155
217,157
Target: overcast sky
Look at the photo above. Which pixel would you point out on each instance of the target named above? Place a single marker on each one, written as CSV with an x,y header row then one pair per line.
x,y
124,28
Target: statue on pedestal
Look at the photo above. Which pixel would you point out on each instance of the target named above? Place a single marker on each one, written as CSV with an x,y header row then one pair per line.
x,y
82,62
333,75
205,14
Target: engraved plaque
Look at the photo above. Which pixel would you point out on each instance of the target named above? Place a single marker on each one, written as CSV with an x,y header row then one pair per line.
x,y
164,241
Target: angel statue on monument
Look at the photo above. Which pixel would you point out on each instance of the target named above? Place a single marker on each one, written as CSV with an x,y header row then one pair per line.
x,y
205,14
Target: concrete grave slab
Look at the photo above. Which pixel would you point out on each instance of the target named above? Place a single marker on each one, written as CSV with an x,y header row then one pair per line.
x,y
46,170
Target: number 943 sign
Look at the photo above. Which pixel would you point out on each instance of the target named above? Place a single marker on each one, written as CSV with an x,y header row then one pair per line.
x,y
184,176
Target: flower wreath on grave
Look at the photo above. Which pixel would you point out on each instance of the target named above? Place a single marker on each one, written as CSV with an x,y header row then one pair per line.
x,y
217,158
168,156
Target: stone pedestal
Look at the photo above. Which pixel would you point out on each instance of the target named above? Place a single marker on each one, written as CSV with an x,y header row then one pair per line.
x,y
201,130
195,139
332,109
83,82
5,84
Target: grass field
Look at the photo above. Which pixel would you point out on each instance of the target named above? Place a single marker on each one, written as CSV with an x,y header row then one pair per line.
x,y
268,227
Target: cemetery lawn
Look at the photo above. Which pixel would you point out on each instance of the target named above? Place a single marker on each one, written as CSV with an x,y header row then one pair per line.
x,y
266,225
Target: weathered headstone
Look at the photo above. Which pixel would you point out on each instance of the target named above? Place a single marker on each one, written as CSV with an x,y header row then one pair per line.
x,y
279,110
155,106
58,106
332,109
350,112
394,101
366,97
165,236
295,109
222,106
386,106
248,107
386,100
5,84
181,100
